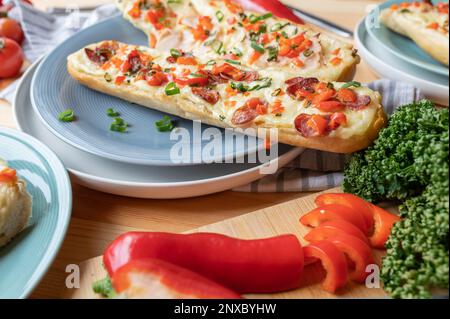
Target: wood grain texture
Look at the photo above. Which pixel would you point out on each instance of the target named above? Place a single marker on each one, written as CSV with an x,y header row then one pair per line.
x,y
276,220
98,218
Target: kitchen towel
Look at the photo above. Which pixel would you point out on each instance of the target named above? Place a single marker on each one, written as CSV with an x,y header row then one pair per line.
x,y
311,171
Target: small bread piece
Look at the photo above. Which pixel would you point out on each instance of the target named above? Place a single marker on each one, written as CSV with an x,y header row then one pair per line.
x,y
15,205
424,23
335,117
216,29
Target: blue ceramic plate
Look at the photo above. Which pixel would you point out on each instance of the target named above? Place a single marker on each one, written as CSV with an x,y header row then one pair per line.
x,y
399,45
53,91
25,260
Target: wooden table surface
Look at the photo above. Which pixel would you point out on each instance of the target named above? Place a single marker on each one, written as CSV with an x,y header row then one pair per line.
x,y
98,218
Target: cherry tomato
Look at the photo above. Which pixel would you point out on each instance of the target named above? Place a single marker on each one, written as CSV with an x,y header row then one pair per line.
x,y
11,29
334,212
333,228
349,200
11,58
334,262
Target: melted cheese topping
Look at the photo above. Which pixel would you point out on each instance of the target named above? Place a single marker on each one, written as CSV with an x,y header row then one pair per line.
x,y
358,121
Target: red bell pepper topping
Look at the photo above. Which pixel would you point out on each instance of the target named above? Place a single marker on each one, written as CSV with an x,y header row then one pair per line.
x,y
195,81
334,212
156,279
351,201
246,266
275,6
334,228
384,221
357,251
157,79
8,175
334,262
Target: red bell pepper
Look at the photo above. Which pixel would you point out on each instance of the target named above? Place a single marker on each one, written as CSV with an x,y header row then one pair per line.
x,y
384,221
246,266
8,175
334,212
334,228
156,279
274,6
349,200
334,262
357,251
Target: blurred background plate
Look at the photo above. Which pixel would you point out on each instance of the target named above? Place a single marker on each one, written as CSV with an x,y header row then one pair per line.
x,y
53,91
138,180
401,46
386,64
25,260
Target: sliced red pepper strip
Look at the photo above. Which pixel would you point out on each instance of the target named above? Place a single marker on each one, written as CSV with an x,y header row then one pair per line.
x,y
156,279
384,221
348,200
357,251
334,262
334,228
334,212
246,266
274,6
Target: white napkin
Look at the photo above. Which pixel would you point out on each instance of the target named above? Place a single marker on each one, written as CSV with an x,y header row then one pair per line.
x,y
311,171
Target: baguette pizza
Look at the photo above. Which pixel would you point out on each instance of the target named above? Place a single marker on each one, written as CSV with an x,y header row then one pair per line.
x,y
425,23
222,29
308,112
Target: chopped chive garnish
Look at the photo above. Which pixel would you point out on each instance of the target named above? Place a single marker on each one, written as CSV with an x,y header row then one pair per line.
x,y
253,18
273,54
172,89
119,125
278,26
111,113
67,116
175,53
175,1
277,92
233,61
196,75
285,35
254,86
350,84
219,48
220,16
237,52
211,62
164,125
258,48
108,77
308,52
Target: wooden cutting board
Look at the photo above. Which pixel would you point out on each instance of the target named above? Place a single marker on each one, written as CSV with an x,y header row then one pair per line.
x,y
268,222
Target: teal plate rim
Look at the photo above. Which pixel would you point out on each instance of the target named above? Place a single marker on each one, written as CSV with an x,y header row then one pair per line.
x,y
429,66
63,185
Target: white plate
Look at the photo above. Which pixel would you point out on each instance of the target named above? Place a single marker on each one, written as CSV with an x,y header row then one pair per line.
x,y
134,180
386,64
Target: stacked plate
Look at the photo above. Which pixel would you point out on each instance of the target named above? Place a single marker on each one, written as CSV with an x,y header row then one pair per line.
x,y
142,162
394,56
